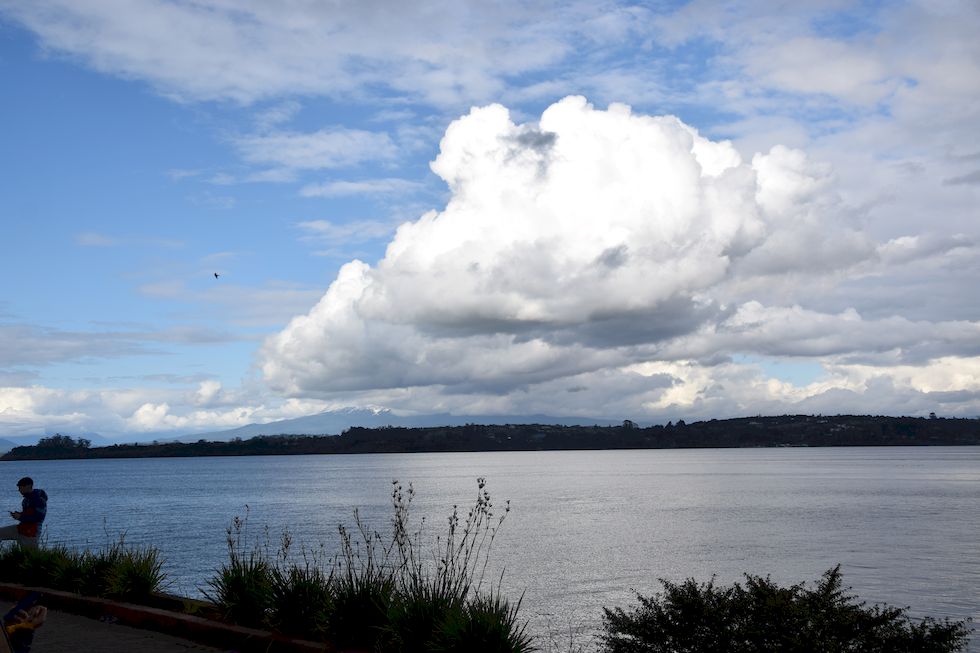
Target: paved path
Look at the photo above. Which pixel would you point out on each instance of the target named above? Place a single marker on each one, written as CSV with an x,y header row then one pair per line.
x,y
69,633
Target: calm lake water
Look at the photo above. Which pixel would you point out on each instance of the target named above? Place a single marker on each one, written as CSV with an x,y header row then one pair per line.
x,y
585,527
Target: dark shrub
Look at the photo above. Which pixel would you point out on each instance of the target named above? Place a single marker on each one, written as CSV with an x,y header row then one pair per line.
x,y
301,601
136,574
360,611
762,616
417,613
38,567
242,590
488,624
96,569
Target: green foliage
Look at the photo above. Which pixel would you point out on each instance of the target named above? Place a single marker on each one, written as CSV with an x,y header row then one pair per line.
x,y
302,600
439,603
487,623
391,591
761,616
59,441
136,574
32,566
360,611
117,570
65,444
242,589
71,575
96,569
364,583
418,612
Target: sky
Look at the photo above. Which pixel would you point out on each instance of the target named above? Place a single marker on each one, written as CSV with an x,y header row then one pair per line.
x,y
652,211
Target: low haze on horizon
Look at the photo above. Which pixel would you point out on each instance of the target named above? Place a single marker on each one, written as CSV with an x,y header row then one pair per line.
x,y
217,215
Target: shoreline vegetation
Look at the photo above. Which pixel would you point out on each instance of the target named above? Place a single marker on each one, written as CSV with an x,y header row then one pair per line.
x,y
404,590
781,431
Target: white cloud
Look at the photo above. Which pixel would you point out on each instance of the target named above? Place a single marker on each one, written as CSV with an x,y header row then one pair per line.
x,y
327,148
847,72
386,186
947,386
341,233
245,51
163,417
207,392
588,242
277,114
801,333
127,413
906,249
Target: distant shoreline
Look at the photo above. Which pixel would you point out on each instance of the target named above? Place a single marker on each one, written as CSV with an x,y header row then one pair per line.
x,y
744,432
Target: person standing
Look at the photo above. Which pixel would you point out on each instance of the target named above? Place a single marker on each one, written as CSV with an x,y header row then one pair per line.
x,y
34,508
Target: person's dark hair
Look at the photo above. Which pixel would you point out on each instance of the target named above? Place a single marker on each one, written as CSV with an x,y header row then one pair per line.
x,y
27,480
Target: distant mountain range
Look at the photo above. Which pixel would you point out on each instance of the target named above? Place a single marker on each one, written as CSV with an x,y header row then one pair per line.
x,y
335,422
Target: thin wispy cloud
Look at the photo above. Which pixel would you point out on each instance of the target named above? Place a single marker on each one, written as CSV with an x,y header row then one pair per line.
x,y
178,174
277,115
970,179
27,344
327,148
269,305
389,186
337,238
441,52
92,239
214,200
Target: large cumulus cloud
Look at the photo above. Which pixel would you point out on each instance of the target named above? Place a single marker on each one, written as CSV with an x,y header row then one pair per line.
x,y
590,240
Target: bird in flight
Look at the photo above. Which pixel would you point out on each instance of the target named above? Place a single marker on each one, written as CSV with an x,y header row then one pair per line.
x,y
216,275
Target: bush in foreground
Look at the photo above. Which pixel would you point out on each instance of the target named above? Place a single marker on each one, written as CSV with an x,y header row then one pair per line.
x,y
242,590
761,616
393,591
137,574
301,601
118,570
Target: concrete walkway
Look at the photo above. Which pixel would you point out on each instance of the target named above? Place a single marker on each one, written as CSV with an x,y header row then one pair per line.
x,y
82,624
64,632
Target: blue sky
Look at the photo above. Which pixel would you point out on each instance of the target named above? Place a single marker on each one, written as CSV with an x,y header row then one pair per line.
x,y
649,211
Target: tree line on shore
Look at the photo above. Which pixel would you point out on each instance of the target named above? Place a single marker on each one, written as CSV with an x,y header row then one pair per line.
x,y
781,431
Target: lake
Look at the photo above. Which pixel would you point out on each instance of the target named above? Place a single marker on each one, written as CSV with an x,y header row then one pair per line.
x,y
585,528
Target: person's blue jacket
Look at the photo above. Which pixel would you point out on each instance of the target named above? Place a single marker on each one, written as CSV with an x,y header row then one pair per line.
x,y
34,508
